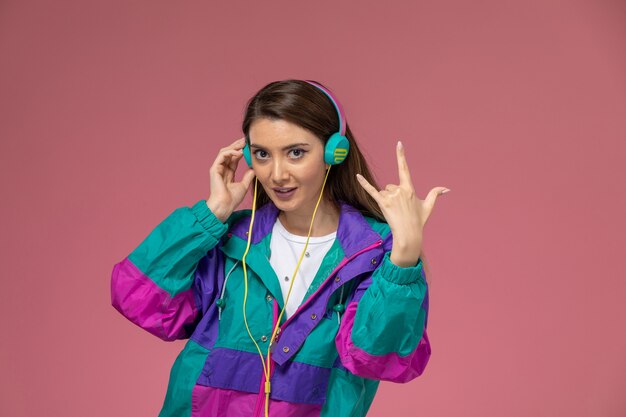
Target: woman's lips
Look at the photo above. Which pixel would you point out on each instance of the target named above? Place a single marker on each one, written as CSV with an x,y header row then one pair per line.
x,y
284,195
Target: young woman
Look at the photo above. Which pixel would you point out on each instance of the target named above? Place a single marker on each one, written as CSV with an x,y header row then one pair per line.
x,y
298,308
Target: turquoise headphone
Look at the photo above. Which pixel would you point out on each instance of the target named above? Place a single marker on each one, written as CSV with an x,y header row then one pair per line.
x,y
337,146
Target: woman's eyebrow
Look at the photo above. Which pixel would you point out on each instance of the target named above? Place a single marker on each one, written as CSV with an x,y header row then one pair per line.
x,y
284,148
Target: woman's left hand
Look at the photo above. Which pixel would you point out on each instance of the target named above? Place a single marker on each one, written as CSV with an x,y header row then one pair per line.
x,y
405,213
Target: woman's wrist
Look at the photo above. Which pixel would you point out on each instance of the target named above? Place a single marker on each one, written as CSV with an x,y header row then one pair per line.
x,y
403,261
218,212
405,254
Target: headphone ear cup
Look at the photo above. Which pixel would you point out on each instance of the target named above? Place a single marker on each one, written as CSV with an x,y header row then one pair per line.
x,y
336,149
246,155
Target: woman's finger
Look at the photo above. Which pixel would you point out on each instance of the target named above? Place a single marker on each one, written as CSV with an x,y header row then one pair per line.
x,y
238,189
431,198
224,157
368,187
403,167
238,144
247,178
232,162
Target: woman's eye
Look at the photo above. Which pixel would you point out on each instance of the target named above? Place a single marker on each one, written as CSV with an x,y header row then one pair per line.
x,y
298,153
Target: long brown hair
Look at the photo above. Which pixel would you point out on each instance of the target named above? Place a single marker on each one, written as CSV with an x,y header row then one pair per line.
x,y
301,103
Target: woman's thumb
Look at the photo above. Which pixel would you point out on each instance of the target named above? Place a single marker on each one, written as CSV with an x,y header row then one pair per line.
x,y
433,194
247,178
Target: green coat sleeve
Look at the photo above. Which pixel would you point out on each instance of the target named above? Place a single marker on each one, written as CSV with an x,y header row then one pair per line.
x,y
383,331
152,286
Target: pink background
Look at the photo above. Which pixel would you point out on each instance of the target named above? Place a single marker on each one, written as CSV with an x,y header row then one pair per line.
x,y
111,114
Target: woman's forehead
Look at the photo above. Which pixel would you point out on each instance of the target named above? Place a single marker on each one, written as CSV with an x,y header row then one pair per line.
x,y
280,134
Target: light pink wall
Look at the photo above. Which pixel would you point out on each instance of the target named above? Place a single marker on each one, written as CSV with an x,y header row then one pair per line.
x,y
111,113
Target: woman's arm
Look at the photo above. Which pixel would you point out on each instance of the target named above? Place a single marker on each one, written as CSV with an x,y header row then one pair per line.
x,y
152,287
383,335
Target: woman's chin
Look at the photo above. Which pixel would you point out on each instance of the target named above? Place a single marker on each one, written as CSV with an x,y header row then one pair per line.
x,y
284,205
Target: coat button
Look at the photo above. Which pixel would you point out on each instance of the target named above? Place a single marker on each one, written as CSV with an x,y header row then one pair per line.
x,y
286,349
374,261
337,279
246,233
313,316
268,298
264,338
339,308
220,303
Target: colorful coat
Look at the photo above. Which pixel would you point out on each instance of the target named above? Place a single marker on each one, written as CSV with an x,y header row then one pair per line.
x,y
362,320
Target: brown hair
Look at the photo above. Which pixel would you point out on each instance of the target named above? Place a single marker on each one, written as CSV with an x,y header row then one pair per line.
x,y
301,103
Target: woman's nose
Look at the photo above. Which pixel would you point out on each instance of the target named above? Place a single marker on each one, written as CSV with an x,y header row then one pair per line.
x,y
279,171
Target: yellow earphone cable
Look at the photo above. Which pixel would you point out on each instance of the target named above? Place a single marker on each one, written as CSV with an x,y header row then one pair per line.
x,y
245,274
267,364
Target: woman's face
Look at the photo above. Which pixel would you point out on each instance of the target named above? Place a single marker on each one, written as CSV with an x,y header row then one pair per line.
x,y
286,157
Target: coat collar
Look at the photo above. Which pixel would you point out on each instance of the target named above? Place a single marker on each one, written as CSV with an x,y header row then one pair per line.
x,y
353,231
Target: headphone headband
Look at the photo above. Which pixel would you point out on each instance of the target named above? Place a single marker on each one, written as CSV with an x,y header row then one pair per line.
x,y
336,103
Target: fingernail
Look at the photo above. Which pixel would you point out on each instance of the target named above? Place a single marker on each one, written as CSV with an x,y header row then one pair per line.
x,y
445,191
399,145
359,176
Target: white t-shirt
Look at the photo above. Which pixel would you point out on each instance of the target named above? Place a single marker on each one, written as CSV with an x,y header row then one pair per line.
x,y
286,249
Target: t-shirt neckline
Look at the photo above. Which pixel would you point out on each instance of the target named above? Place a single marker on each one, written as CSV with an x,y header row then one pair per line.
x,y
302,239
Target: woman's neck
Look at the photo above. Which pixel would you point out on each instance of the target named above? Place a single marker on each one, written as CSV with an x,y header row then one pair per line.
x,y
326,220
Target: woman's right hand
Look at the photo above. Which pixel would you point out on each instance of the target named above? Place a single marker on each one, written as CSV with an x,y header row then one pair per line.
x,y
225,194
